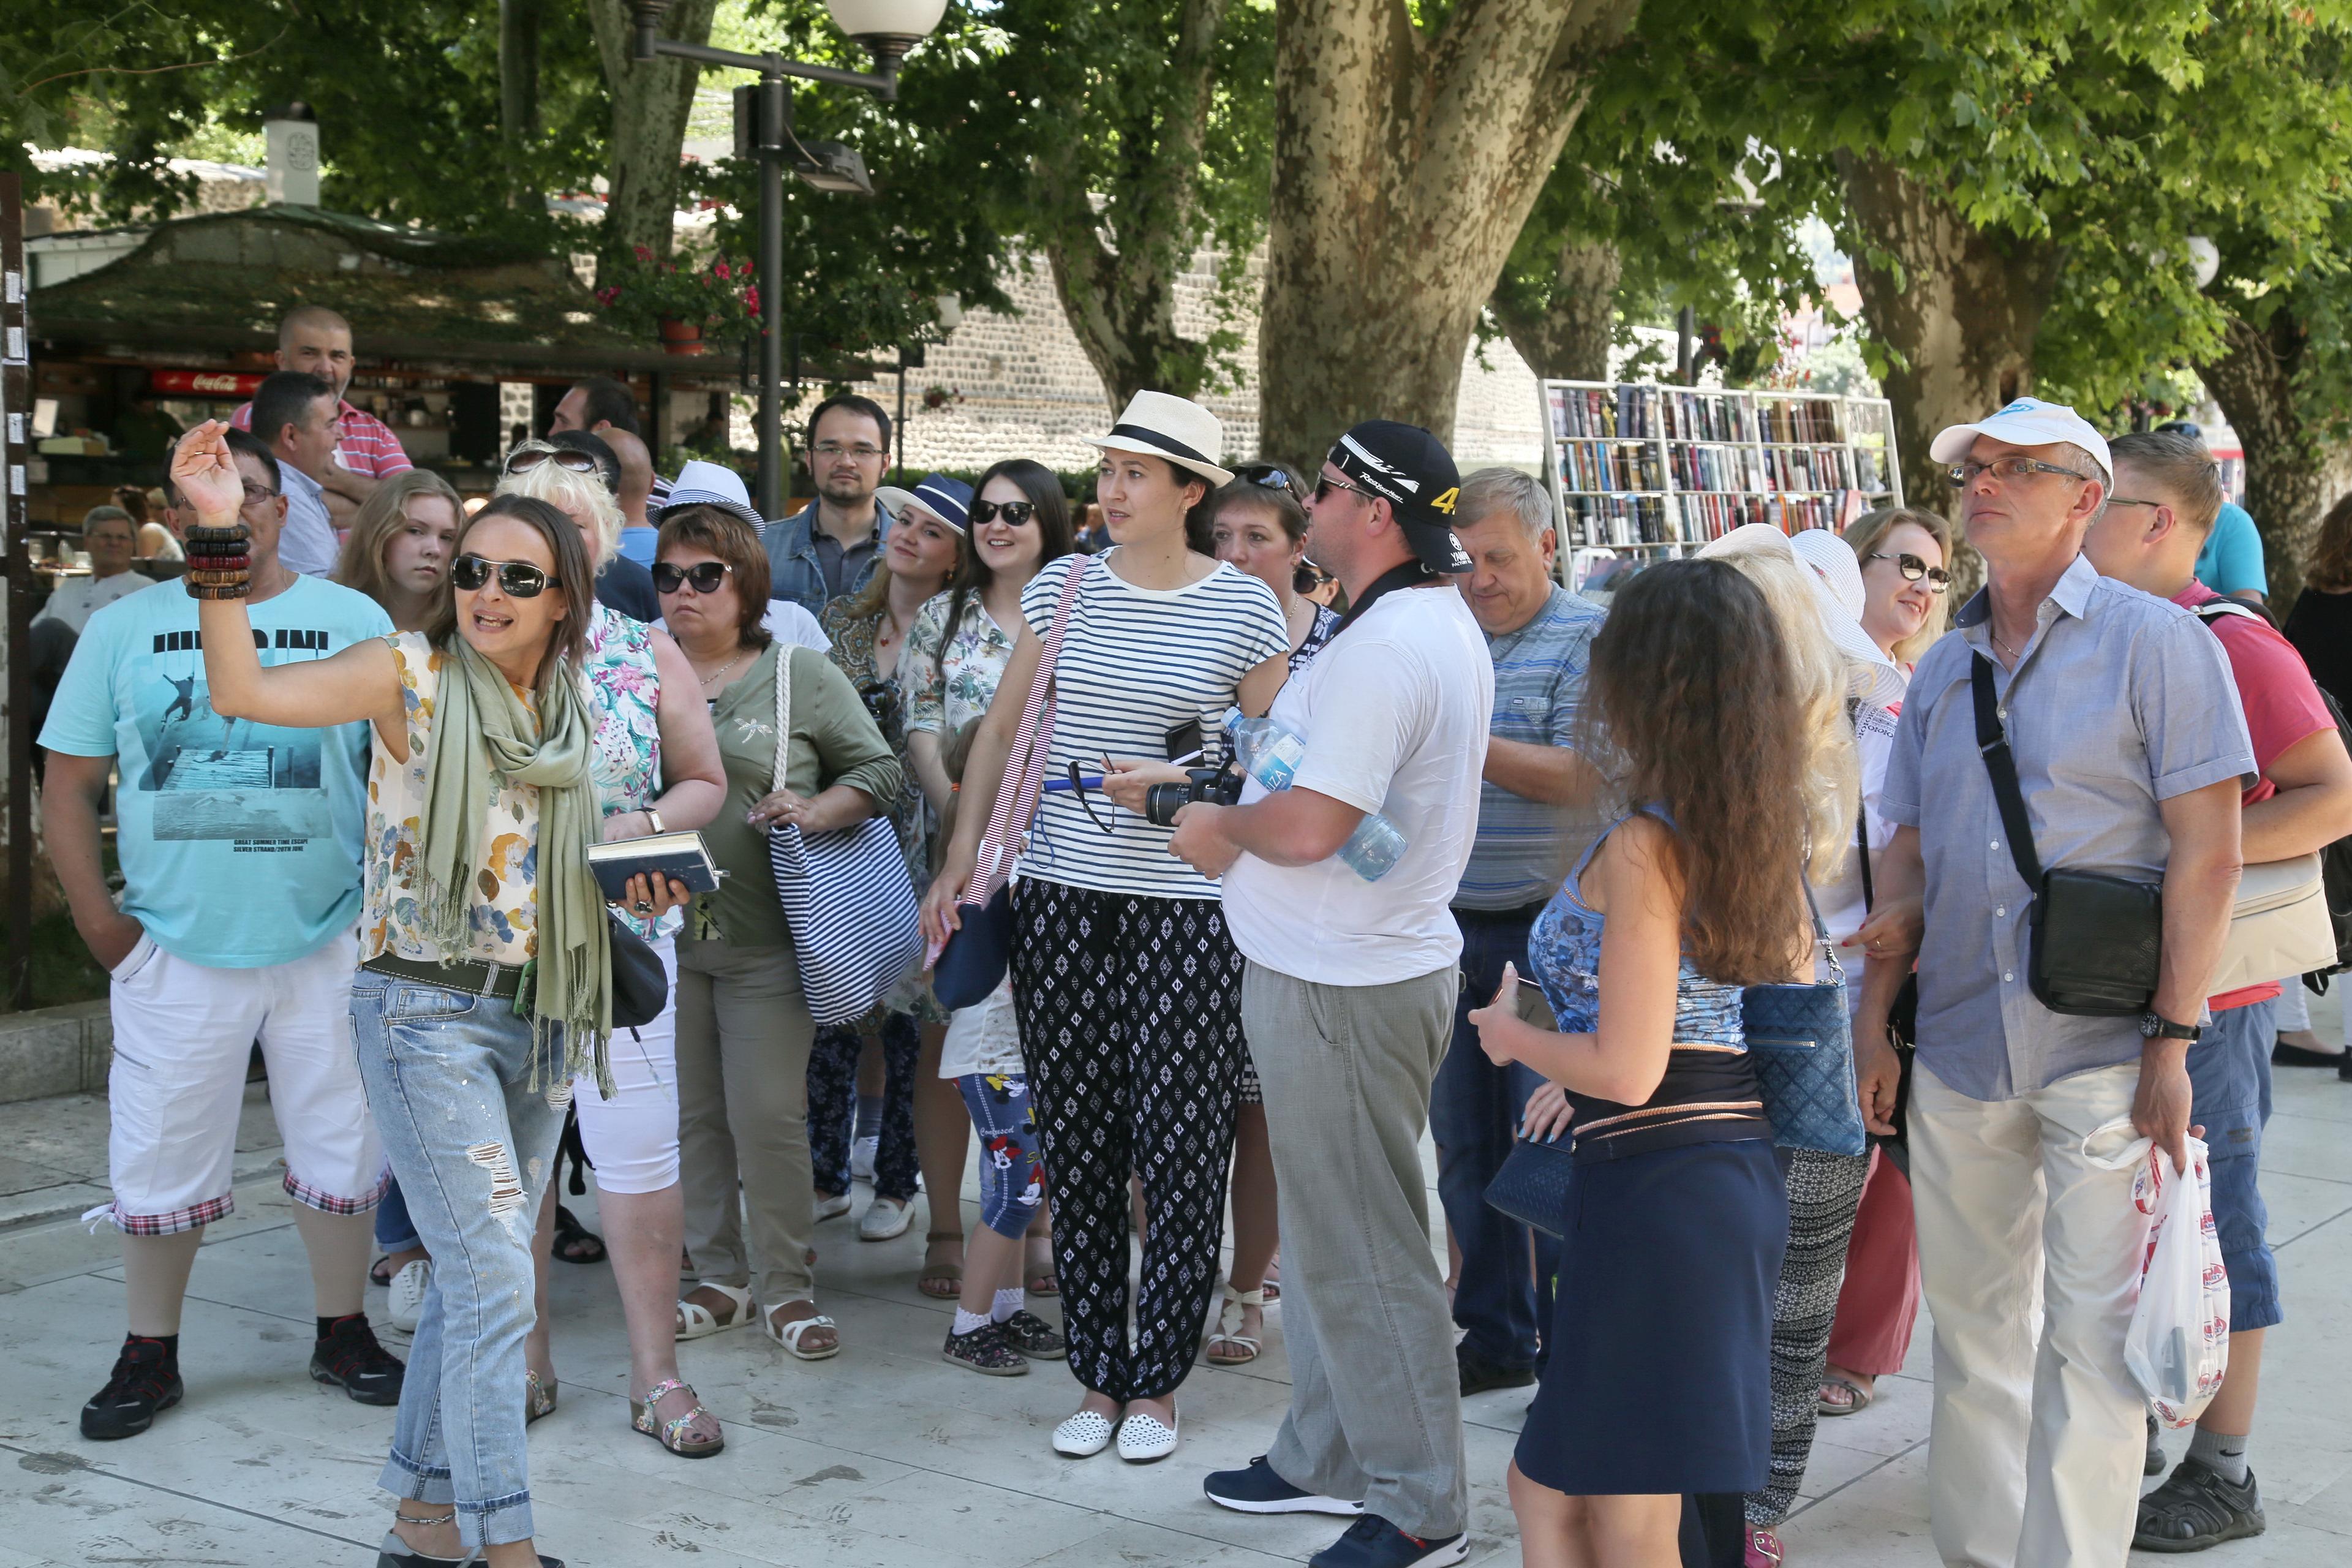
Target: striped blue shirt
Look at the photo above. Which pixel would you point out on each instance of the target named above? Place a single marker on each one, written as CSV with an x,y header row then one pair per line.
x,y
1520,852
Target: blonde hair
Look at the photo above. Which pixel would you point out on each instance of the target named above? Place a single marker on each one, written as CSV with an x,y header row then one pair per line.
x,y
1867,532
382,515
568,490
1831,775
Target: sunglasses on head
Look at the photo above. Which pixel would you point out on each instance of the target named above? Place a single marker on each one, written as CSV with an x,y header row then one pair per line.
x,y
706,576
1014,512
1913,569
1266,477
517,579
522,459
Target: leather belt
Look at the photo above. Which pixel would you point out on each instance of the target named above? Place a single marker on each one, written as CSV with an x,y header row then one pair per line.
x,y
472,977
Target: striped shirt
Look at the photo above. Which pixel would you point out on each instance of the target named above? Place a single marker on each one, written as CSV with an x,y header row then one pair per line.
x,y
1540,668
368,446
1135,663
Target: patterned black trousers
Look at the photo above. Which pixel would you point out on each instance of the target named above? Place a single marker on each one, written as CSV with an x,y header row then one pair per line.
x,y
1131,1018
832,1106
1824,1193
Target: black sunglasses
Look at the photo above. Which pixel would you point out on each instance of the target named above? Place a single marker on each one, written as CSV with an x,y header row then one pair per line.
x,y
517,579
1014,512
1913,569
706,576
522,459
1325,485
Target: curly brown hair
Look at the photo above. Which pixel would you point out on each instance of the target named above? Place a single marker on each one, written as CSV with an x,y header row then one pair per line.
x,y
1694,696
2331,553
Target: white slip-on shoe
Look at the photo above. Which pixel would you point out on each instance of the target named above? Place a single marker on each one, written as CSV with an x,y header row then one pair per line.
x,y
1083,1435
831,1207
408,1288
1142,1440
861,1158
885,1219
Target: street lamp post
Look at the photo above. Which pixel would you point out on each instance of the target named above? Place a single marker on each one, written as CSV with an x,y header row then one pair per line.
x,y
887,28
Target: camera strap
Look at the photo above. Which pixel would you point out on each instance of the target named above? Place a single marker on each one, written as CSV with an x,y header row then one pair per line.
x,y
1408,575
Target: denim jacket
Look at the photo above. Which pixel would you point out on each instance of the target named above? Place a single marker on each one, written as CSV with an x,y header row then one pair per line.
x,y
792,570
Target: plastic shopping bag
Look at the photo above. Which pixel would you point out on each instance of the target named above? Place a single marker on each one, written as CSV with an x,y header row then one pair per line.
x,y
2178,1344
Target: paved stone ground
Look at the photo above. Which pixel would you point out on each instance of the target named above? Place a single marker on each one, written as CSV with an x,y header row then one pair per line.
x,y
883,1457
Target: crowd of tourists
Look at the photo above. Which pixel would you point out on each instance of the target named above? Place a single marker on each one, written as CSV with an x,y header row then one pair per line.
x,y
1308,814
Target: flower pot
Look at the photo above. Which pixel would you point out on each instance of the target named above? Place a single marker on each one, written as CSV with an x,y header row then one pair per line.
x,y
681,337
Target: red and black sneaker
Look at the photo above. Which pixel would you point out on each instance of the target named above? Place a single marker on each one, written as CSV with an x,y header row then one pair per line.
x,y
146,1380
348,1354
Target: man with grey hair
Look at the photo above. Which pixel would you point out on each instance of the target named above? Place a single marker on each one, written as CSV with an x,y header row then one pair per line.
x,y
1539,636
315,340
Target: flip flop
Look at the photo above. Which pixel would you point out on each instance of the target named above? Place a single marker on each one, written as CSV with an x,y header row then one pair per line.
x,y
574,1241
380,1271
1862,1396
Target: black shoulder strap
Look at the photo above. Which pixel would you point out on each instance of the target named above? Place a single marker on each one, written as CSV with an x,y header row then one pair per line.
x,y
1861,853
1992,742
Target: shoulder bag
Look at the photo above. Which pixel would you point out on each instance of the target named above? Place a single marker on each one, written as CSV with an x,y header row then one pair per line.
x,y
1801,1043
1902,1014
2096,941
847,899
969,968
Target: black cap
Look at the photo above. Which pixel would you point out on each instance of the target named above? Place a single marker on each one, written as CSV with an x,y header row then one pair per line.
x,y
1411,470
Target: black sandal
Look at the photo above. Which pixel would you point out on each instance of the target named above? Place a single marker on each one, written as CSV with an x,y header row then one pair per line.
x,y
574,1241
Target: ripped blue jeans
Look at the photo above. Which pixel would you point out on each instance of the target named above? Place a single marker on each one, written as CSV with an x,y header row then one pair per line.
x,y
447,1076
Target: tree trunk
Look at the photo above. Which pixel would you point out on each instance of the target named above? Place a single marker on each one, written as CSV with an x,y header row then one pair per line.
x,y
518,28
1570,340
650,101
1405,164
1114,268
2254,380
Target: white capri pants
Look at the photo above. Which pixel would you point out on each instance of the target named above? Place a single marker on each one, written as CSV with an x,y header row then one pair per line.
x,y
632,1138
184,1034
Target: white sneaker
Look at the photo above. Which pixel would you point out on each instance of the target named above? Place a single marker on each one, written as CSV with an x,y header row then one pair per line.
x,y
408,1288
861,1158
885,1219
831,1207
1083,1435
1143,1439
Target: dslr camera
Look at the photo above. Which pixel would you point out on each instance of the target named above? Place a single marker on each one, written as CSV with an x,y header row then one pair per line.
x,y
1218,787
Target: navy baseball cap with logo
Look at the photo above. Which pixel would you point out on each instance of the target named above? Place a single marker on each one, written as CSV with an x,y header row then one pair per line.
x,y
1411,470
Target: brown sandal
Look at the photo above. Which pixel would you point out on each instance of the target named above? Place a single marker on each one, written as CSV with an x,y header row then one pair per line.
x,y
940,1280
674,1434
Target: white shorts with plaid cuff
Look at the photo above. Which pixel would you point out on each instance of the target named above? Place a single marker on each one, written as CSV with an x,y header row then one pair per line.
x,y
184,1034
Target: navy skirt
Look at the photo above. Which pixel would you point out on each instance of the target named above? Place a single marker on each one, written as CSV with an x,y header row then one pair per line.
x,y
1658,1372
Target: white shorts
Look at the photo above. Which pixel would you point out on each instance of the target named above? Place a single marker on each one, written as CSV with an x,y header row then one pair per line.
x,y
632,1138
184,1034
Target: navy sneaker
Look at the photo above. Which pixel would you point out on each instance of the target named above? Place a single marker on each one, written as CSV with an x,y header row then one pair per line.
x,y
1373,1543
1259,1490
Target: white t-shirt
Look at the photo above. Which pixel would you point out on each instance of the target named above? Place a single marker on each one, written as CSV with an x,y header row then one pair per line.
x,y
1394,715
75,599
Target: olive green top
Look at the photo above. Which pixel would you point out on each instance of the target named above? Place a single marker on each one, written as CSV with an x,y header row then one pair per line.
x,y
834,741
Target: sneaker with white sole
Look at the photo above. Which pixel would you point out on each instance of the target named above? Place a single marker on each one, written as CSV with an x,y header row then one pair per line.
x,y
1083,1434
1373,1543
861,1158
831,1206
1257,1489
408,1288
1144,1439
885,1219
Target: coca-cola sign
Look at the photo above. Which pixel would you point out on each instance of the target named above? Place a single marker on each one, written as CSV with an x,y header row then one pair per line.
x,y
201,383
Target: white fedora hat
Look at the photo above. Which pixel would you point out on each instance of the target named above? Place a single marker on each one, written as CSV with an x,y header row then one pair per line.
x,y
1175,428
707,484
1829,565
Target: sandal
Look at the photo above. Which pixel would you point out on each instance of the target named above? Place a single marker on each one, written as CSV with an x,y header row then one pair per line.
x,y
1272,1285
380,1271
695,1321
538,1397
574,1241
1042,1280
940,1280
1250,1345
790,1334
1860,1401
675,1433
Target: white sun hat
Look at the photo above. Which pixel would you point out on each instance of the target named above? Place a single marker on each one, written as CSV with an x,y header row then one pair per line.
x,y
1178,430
2026,422
707,484
1829,564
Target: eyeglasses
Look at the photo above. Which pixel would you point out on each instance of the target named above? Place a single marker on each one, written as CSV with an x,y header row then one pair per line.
x,y
255,495
1325,484
1913,569
829,450
522,459
706,576
2119,501
1014,512
517,579
2007,470
1267,476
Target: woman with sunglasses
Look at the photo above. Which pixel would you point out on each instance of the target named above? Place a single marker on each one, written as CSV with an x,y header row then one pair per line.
x,y
656,769
1127,982
955,656
743,1028
486,984
1903,552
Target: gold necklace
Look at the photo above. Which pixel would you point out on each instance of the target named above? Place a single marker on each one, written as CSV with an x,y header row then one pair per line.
x,y
725,668
2013,654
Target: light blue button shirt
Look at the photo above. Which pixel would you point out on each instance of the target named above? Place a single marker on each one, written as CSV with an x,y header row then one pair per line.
x,y
306,543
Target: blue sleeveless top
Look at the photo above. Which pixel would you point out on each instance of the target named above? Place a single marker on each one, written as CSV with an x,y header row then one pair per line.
x,y
1708,1094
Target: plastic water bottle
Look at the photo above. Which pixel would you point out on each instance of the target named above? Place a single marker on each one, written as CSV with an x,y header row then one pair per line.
x,y
1271,753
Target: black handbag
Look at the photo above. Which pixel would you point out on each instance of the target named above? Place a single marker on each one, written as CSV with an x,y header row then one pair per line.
x,y
1531,1185
2096,941
1902,1014
640,987
1801,1043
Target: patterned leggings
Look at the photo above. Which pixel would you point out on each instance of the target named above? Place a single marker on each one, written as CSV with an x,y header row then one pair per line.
x,y
1824,1192
832,1106
1011,1172
1131,1017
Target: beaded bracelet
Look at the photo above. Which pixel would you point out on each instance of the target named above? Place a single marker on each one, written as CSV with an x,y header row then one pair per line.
x,y
220,563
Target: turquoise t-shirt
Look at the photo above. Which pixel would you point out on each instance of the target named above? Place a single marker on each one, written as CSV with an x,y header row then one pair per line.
x,y
240,842
2231,561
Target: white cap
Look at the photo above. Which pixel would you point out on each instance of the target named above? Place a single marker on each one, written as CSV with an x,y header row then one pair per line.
x,y
2026,422
1829,564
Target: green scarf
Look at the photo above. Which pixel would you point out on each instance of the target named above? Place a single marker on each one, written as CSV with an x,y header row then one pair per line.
x,y
484,734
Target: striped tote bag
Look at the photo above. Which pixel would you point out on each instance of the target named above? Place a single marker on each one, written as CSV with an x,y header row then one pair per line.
x,y
848,900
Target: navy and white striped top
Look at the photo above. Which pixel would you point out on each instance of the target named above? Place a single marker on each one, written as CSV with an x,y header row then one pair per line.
x,y
1137,662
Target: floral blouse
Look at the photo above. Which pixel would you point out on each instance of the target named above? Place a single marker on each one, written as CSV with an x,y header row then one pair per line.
x,y
945,693
625,757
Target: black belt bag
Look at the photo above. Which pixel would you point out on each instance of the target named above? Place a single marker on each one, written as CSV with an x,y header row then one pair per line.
x,y
2097,941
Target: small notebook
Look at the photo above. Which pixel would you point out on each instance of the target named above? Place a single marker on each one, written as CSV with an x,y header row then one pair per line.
x,y
680,857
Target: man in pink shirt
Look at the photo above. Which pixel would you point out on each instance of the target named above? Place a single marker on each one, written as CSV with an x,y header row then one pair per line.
x,y
314,339
2167,493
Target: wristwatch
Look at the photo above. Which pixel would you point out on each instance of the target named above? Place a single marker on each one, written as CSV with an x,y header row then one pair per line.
x,y
2153,1027
655,817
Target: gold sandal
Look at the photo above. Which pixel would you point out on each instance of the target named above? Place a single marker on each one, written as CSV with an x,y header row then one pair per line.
x,y
538,1398
673,1434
